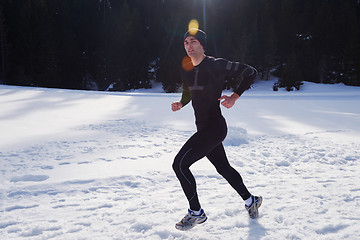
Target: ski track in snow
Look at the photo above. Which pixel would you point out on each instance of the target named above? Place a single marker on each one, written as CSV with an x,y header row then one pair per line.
x,y
114,181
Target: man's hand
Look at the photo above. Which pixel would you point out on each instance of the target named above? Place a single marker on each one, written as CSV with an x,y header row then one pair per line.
x,y
176,106
229,101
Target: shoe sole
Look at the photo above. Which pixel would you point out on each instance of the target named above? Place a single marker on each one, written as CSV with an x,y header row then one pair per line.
x,y
259,202
202,221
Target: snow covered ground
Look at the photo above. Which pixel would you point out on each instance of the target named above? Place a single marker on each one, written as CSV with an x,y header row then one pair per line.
x,y
97,165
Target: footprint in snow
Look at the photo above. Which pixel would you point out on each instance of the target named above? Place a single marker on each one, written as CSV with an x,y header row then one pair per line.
x,y
29,178
18,207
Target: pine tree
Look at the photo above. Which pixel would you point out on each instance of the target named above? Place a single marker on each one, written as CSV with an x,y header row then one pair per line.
x,y
267,44
126,54
3,46
74,43
348,24
174,24
32,48
67,50
292,76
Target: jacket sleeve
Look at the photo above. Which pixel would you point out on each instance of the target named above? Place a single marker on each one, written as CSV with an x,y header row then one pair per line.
x,y
244,73
186,95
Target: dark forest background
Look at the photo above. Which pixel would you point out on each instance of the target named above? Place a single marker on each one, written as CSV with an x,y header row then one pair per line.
x,y
90,44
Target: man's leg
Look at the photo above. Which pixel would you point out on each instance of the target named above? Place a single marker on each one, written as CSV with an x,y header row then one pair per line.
x,y
188,155
218,158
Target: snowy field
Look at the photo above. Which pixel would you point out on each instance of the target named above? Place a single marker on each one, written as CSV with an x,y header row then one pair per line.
x,y
97,165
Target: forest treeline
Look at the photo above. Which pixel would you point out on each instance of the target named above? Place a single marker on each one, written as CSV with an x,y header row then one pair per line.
x,y
90,44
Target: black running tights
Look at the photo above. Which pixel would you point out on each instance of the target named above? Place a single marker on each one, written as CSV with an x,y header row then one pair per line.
x,y
206,142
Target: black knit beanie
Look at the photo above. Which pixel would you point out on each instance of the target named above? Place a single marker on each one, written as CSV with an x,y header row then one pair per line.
x,y
199,35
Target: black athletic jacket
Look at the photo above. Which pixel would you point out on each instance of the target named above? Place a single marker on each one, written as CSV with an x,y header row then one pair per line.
x,y
203,85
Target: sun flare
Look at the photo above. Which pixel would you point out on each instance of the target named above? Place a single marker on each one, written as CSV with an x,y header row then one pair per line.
x,y
193,26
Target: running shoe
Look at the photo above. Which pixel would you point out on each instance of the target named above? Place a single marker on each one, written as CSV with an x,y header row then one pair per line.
x,y
253,209
190,220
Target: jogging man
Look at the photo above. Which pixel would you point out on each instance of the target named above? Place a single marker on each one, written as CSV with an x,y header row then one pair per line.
x,y
203,80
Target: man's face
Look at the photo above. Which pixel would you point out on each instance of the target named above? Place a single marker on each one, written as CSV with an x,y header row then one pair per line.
x,y
193,46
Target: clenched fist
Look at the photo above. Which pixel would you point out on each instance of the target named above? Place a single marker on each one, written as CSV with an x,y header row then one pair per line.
x,y
176,106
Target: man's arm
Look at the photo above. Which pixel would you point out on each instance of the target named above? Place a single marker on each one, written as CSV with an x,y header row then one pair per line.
x,y
186,95
245,75
185,99
247,78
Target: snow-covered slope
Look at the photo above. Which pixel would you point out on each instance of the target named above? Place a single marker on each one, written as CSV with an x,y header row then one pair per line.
x,y
97,165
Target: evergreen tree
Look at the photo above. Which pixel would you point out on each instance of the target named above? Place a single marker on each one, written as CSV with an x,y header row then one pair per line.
x,y
67,22
292,77
3,46
174,23
31,43
126,54
349,35
89,44
267,44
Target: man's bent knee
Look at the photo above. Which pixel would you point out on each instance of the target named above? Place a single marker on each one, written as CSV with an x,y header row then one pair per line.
x,y
176,164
